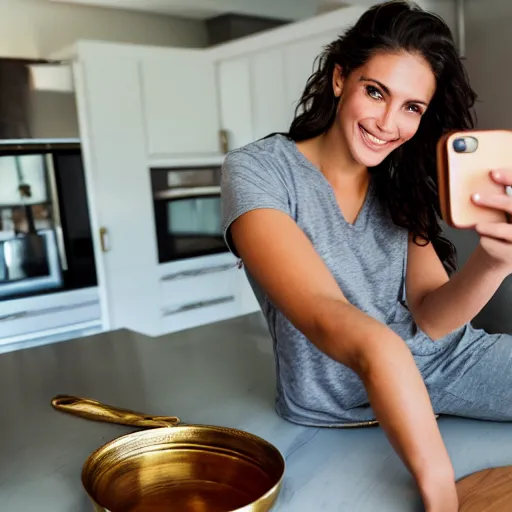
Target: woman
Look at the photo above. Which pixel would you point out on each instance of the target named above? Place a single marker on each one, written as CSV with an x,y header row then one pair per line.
x,y
337,225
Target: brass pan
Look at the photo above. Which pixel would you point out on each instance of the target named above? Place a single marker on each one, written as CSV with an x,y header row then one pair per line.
x,y
185,468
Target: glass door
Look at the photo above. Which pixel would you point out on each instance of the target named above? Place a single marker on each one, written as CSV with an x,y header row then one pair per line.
x,y
188,215
29,252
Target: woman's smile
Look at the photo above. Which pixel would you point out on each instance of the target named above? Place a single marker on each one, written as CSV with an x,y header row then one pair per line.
x,y
372,141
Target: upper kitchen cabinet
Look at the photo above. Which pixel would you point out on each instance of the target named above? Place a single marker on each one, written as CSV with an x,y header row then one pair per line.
x,y
298,65
261,78
252,96
268,92
234,89
180,104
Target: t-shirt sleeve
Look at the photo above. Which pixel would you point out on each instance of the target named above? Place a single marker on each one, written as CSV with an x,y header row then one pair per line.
x,y
247,184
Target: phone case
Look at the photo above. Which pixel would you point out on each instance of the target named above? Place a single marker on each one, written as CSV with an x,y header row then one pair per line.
x,y
460,175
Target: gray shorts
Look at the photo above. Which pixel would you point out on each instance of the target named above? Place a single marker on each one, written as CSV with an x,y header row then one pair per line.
x,y
472,378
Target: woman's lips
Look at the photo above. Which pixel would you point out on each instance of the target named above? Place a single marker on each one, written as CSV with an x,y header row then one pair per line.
x,y
372,141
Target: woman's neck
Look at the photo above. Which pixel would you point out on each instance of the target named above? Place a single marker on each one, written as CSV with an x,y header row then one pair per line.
x,y
330,154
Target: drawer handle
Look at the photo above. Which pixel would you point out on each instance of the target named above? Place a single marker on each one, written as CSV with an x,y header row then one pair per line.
x,y
46,311
198,305
14,316
198,272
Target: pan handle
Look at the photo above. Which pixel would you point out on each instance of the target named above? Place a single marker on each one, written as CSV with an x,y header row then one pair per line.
x,y
93,410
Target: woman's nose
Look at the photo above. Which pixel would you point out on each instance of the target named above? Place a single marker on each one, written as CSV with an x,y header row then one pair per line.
x,y
387,121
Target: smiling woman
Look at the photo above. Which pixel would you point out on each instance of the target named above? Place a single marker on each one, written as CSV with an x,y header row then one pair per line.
x,y
337,224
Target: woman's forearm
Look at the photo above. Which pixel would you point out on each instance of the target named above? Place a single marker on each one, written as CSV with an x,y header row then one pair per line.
x,y
459,300
402,406
397,395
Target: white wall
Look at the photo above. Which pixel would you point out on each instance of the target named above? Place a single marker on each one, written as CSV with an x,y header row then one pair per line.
x,y
36,28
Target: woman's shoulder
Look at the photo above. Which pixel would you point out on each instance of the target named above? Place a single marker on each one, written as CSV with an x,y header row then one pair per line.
x,y
270,155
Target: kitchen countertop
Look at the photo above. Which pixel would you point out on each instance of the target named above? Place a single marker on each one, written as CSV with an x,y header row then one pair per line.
x,y
221,374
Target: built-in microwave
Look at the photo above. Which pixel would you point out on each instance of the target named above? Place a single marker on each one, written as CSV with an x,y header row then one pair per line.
x,y
187,208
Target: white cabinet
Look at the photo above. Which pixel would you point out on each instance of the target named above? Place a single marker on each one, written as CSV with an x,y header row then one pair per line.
x,y
234,90
203,290
268,92
180,104
198,292
133,108
48,315
259,91
118,181
298,61
252,96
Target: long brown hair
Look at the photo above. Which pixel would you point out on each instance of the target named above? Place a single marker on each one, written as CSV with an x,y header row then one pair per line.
x,y
407,179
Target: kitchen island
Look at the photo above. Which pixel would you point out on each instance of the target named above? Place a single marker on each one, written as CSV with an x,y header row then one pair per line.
x,y
220,374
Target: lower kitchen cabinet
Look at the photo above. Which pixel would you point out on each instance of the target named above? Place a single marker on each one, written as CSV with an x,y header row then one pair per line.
x,y
203,290
49,317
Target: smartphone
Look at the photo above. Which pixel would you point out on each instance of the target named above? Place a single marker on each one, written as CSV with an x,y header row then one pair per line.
x,y
464,162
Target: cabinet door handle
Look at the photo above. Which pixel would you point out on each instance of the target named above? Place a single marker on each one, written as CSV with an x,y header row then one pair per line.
x,y
198,305
198,272
13,316
224,141
104,239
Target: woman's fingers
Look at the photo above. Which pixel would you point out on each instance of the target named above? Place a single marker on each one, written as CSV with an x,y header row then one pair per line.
x,y
497,201
502,176
496,230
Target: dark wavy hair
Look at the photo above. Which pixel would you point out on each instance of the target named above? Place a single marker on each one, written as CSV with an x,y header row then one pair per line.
x,y
407,179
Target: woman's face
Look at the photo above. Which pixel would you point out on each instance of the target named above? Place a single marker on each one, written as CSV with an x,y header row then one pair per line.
x,y
382,104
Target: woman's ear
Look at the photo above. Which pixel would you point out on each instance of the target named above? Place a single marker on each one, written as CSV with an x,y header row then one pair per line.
x,y
337,80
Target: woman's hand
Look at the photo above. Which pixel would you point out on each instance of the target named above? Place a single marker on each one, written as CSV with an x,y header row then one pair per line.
x,y
496,237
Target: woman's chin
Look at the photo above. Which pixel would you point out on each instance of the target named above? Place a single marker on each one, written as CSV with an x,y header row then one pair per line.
x,y
370,160
371,157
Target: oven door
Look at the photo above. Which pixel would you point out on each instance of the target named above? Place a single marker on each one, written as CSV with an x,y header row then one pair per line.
x,y
188,223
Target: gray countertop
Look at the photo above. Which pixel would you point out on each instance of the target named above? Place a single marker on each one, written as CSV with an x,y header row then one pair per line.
x,y
221,374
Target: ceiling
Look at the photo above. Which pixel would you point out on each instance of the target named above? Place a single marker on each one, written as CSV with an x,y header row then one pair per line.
x,y
204,9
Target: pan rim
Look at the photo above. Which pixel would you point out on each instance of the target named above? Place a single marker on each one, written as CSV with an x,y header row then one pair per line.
x,y
132,436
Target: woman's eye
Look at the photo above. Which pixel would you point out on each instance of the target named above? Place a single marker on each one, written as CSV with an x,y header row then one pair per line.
x,y
373,92
414,108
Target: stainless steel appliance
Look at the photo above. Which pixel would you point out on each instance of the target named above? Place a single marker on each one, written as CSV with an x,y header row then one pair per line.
x,y
187,208
45,236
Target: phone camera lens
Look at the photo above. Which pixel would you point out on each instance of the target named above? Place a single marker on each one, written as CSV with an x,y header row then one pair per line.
x,y
459,145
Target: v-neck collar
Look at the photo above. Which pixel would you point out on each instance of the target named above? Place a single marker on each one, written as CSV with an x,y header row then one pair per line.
x,y
363,214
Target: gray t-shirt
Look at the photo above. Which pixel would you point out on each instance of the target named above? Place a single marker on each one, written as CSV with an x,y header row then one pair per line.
x,y
367,258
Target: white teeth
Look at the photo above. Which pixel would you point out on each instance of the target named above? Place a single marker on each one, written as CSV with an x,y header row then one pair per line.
x,y
375,139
